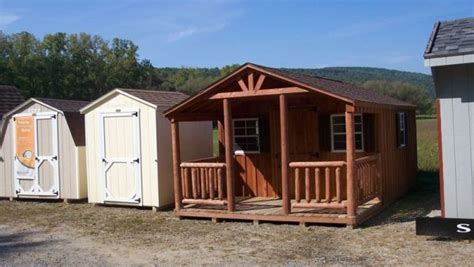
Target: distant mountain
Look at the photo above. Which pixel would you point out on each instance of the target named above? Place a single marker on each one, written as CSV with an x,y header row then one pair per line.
x,y
360,75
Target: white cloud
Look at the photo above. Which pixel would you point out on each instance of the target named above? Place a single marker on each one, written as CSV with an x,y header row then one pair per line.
x,y
188,32
7,19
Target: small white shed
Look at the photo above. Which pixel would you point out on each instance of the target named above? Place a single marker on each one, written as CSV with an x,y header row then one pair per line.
x,y
129,160
450,55
42,152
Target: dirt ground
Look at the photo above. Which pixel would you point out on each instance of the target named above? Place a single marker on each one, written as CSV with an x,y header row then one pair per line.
x,y
45,233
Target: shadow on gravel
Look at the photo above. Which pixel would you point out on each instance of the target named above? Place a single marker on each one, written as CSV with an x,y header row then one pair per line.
x,y
418,202
19,243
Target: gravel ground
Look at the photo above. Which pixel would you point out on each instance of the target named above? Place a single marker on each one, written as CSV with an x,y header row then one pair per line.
x,y
45,233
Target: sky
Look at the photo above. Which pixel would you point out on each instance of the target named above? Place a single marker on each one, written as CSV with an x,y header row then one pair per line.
x,y
278,33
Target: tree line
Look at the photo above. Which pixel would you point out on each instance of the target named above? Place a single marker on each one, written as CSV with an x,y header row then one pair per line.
x,y
84,67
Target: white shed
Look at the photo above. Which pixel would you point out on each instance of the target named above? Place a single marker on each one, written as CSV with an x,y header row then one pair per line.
x,y
129,160
450,54
42,152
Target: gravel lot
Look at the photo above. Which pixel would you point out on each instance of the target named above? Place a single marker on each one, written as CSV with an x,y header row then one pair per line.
x,y
45,233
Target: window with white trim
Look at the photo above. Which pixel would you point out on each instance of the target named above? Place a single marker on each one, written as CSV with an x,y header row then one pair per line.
x,y
338,133
402,129
246,136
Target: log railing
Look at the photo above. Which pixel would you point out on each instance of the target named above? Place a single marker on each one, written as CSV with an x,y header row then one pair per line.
x,y
203,182
321,182
367,177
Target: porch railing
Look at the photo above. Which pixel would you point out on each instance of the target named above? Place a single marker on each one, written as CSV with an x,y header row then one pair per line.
x,y
203,181
367,177
327,180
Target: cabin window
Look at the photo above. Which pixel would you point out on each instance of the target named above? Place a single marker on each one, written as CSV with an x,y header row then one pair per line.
x,y
401,129
338,133
246,136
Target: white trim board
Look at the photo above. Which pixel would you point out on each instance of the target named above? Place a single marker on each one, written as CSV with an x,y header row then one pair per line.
x,y
445,61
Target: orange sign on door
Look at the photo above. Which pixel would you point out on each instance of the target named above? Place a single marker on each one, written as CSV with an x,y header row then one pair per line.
x,y
25,140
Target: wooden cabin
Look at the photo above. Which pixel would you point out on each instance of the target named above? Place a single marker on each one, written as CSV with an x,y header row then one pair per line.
x,y
42,151
450,55
294,148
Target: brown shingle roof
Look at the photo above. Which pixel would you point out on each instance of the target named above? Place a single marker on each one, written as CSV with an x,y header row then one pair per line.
x,y
10,97
64,105
162,99
340,88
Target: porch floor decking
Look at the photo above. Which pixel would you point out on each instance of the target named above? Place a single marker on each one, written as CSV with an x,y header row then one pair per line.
x,y
270,209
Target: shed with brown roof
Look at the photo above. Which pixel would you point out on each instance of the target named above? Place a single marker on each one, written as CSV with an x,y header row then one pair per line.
x,y
42,150
295,147
129,147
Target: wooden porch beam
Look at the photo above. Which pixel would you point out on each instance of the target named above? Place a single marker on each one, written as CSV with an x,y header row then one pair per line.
x,y
262,92
242,85
260,80
284,154
176,161
350,162
250,82
229,150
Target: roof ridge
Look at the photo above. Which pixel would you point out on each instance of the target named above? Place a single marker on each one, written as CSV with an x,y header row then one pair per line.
x,y
60,99
151,90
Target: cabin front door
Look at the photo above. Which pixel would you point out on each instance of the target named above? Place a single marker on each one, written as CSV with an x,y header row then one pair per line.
x,y
121,161
36,155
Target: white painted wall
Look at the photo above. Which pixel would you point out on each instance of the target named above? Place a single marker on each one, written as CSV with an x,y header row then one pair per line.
x,y
195,142
455,91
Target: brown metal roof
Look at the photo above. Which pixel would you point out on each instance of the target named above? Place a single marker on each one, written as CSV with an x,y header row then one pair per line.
x,y
10,97
343,89
161,99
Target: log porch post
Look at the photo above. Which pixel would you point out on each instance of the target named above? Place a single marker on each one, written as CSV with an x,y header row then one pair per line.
x,y
284,154
350,161
229,150
176,161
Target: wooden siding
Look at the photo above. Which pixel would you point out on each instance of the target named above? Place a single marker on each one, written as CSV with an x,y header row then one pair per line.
x,y
68,179
398,164
455,91
309,140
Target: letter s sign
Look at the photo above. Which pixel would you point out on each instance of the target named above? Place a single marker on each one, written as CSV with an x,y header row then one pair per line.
x,y
463,228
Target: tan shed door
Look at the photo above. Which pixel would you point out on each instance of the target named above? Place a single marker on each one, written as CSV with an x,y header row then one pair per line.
x,y
36,155
121,166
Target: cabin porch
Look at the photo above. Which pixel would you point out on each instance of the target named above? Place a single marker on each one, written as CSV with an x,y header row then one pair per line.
x,y
319,193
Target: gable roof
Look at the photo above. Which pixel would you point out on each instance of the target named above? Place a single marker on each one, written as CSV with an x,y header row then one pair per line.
x,y
68,108
341,90
451,38
161,100
10,97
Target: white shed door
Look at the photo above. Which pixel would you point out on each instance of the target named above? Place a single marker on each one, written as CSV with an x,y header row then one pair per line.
x,y
36,155
121,162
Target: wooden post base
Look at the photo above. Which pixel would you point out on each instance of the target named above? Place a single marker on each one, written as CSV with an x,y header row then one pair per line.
x,y
256,222
11,198
154,209
66,201
303,224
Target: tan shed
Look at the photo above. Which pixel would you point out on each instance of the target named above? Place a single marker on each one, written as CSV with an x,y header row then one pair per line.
x,y
42,152
129,147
